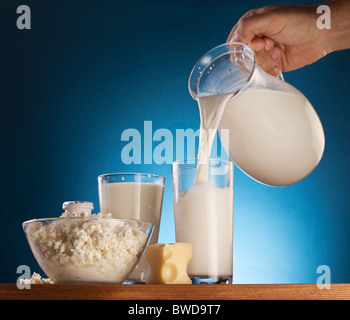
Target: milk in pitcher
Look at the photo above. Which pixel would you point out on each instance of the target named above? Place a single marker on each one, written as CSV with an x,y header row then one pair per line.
x,y
275,136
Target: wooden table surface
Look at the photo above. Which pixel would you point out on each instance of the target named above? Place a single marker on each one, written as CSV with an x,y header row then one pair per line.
x,y
175,292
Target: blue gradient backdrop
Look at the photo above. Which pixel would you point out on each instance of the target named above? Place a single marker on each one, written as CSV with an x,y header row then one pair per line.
x,y
88,70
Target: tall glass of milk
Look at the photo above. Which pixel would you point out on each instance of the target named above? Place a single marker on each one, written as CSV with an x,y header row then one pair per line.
x,y
204,217
275,135
134,196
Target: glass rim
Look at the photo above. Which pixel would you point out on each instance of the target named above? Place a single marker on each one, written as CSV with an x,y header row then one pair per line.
x,y
195,161
143,174
249,78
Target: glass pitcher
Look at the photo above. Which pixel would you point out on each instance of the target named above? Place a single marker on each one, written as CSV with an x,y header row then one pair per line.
x,y
275,135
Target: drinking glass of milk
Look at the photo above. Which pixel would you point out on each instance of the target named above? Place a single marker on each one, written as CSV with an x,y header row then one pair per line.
x,y
275,135
133,196
204,216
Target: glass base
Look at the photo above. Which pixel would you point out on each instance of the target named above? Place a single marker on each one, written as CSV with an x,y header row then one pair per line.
x,y
134,282
211,280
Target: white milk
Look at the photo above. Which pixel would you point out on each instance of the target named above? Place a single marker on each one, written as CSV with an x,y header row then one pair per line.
x,y
203,218
134,200
211,109
275,137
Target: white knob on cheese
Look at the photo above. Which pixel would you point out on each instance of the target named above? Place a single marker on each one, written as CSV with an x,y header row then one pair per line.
x,y
78,206
169,263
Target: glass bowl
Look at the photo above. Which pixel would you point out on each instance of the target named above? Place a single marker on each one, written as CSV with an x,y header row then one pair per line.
x,y
87,250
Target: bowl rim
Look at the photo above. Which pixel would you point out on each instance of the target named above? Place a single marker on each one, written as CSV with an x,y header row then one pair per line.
x,y
148,224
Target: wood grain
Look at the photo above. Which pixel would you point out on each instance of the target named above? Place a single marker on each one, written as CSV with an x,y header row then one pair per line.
x,y
175,292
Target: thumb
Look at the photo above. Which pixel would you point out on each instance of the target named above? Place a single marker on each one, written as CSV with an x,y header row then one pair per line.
x,y
235,38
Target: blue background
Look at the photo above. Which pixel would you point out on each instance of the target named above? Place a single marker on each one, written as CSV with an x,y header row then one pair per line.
x,y
88,70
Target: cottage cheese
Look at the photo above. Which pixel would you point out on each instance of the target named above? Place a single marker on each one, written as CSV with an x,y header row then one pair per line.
x,y
87,250
35,279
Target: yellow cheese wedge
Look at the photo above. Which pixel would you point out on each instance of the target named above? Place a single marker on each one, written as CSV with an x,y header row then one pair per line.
x,y
169,262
